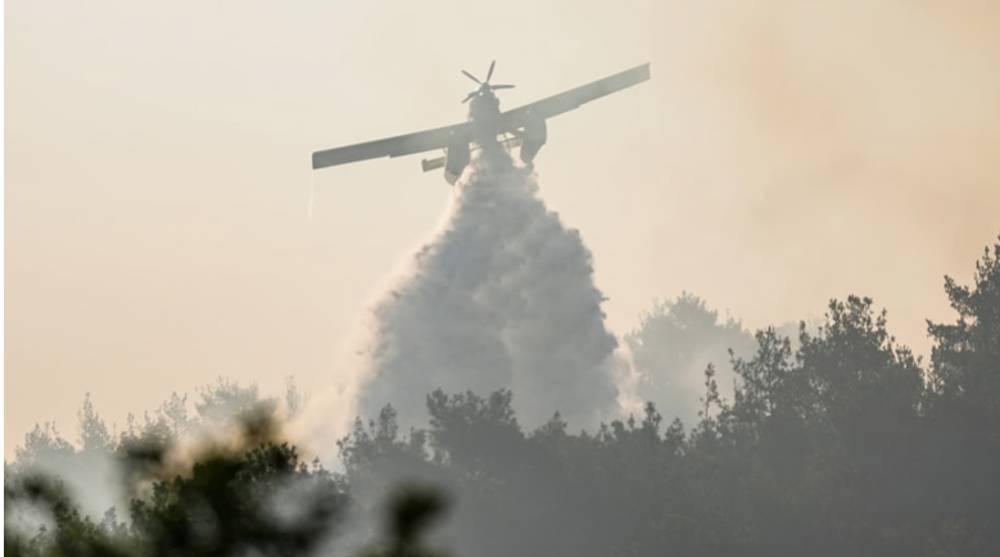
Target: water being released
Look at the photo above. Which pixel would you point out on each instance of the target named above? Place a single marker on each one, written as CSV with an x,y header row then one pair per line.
x,y
502,297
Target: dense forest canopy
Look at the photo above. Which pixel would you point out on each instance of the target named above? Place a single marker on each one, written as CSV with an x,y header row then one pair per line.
x,y
836,442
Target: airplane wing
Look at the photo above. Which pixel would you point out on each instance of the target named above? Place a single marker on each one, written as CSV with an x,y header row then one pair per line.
x,y
568,100
408,144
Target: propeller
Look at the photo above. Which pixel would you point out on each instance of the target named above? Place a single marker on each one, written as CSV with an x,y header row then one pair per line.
x,y
472,77
484,86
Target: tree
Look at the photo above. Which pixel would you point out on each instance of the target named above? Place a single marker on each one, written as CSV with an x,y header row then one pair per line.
x,y
837,443
261,500
94,435
226,401
963,416
966,354
674,343
411,510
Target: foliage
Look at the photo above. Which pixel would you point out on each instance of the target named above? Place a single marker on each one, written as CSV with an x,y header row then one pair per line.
x,y
838,442
247,493
674,343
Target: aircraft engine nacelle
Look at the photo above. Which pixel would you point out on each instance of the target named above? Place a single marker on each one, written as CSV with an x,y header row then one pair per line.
x,y
457,159
534,137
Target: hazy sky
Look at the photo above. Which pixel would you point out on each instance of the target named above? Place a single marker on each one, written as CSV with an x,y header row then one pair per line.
x,y
158,169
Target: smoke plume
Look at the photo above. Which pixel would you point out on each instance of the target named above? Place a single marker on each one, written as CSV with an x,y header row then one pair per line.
x,y
502,297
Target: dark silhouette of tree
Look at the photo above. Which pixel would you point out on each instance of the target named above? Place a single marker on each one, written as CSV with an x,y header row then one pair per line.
x,y
255,498
71,533
412,509
966,353
963,419
263,501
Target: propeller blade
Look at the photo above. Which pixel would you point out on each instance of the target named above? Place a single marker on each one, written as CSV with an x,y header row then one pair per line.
x,y
472,77
501,86
469,96
489,74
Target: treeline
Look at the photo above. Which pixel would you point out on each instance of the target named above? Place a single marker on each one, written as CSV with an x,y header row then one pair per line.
x,y
836,442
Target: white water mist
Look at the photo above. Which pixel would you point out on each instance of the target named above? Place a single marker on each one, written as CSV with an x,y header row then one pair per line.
x,y
502,297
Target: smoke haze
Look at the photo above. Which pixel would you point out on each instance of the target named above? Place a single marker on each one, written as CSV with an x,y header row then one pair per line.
x,y
157,174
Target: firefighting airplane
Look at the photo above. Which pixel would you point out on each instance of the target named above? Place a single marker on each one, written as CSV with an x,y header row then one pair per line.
x,y
487,127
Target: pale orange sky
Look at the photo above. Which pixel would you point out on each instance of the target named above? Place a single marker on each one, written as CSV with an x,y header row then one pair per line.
x,y
158,169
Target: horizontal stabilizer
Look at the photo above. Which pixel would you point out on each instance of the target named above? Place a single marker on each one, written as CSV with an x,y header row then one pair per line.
x,y
431,164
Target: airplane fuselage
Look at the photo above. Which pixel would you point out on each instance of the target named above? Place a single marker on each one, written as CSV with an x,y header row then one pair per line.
x,y
484,114
486,125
